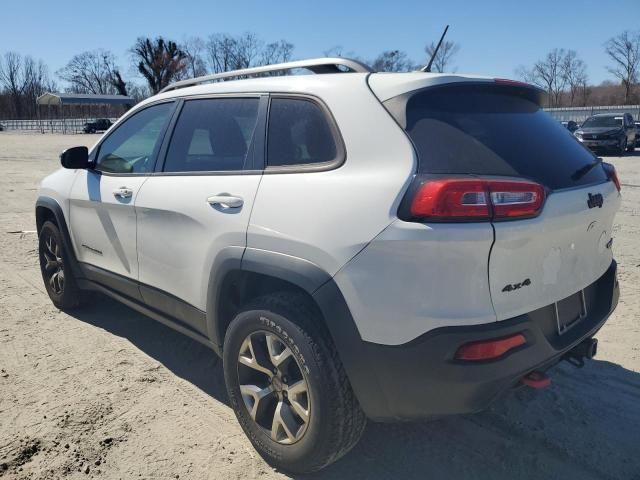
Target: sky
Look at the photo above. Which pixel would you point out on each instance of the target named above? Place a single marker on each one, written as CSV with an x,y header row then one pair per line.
x,y
495,37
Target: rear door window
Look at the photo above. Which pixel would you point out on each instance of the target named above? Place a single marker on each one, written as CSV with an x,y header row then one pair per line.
x,y
213,135
495,130
299,134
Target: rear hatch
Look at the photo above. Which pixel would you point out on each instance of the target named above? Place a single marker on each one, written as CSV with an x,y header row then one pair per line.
x,y
497,130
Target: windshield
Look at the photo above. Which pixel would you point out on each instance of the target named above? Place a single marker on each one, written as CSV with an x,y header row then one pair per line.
x,y
603,122
495,130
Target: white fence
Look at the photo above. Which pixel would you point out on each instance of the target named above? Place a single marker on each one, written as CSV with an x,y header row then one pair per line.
x,y
580,114
58,125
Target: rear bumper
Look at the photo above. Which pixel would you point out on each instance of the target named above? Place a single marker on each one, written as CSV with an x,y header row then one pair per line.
x,y
422,378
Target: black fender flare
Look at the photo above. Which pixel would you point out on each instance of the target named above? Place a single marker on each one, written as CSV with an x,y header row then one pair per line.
x,y
54,207
295,270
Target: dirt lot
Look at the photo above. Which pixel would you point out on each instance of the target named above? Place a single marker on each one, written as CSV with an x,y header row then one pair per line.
x,y
108,393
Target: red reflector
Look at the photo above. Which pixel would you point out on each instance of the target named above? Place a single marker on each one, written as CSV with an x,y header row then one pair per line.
x,y
488,349
613,175
477,199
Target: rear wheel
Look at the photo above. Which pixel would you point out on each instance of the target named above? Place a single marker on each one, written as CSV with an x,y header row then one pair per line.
x,y
622,147
56,272
632,146
287,386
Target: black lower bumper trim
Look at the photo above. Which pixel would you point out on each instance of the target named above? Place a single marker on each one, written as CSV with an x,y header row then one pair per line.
x,y
422,378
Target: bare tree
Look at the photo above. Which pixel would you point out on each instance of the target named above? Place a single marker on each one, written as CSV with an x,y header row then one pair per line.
x,y
248,48
584,91
11,78
221,53
90,72
392,61
117,82
624,51
574,71
226,52
276,52
159,61
24,79
335,51
444,57
194,49
548,74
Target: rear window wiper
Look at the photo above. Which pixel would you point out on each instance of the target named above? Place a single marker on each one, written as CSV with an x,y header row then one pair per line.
x,y
581,172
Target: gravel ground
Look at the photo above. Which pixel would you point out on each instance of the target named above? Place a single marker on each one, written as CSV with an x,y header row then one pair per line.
x,y
108,393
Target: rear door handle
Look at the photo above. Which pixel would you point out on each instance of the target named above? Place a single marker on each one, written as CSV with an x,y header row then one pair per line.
x,y
225,201
123,192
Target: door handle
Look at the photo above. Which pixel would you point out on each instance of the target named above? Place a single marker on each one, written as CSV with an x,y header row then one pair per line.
x,y
225,201
123,192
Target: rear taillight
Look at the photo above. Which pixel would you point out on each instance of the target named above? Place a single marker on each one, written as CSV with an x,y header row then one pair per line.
x,y
613,175
489,349
463,199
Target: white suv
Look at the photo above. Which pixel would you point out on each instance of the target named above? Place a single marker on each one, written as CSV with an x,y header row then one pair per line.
x,y
353,244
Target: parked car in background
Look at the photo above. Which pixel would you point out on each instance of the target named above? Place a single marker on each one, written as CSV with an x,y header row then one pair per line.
x,y
570,125
1,127
100,125
637,134
609,131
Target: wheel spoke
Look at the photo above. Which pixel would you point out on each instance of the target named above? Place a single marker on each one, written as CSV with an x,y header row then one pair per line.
x,y
298,388
248,357
296,391
302,412
278,352
51,264
61,279
284,427
51,246
254,398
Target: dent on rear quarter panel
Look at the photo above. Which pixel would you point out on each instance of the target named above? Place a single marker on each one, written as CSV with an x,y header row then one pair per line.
x,y
416,277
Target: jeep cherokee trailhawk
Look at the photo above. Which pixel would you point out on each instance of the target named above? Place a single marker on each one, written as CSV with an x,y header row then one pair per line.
x,y
353,244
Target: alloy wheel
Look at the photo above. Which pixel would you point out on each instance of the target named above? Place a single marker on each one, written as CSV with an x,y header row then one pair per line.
x,y
52,265
273,387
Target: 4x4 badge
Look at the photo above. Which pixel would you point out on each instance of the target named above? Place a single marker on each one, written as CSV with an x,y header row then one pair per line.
x,y
515,286
595,200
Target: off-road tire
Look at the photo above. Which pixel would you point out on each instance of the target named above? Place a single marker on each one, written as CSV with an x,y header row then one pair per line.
x,y
622,148
336,421
631,146
70,296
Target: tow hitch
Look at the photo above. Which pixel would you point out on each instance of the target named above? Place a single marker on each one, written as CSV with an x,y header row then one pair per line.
x,y
586,349
536,380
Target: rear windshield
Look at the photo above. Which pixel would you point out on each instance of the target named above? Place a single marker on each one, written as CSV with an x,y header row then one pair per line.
x,y
494,130
603,122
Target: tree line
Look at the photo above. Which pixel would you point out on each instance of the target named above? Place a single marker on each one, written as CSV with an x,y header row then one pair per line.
x,y
160,61
563,75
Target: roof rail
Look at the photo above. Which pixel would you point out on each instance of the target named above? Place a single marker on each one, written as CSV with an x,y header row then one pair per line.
x,y
316,65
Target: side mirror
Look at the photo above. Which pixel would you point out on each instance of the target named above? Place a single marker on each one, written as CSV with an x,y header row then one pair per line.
x,y
75,157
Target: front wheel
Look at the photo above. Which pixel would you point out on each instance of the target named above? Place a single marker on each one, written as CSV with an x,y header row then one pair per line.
x,y
287,385
56,269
